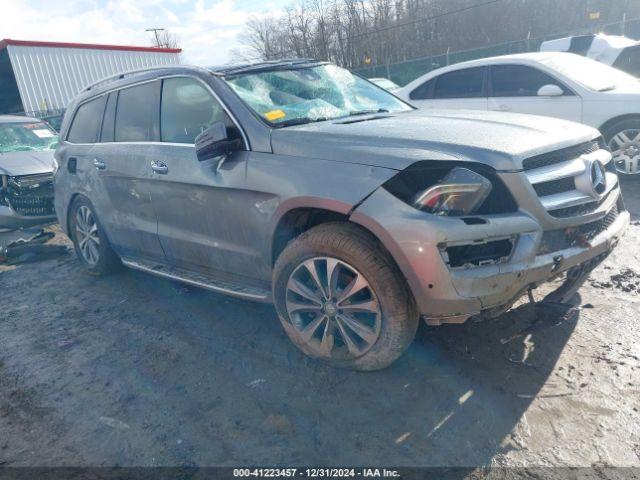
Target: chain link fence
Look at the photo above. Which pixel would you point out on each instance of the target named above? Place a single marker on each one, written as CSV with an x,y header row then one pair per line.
x,y
403,72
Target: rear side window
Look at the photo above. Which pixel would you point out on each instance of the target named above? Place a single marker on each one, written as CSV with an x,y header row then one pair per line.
x,y
137,113
519,81
424,91
84,128
108,124
188,109
467,83
629,61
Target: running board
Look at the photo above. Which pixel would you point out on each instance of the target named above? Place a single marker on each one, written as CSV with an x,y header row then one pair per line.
x,y
198,280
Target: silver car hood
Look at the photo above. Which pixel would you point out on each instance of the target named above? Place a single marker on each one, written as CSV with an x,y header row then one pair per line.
x,y
26,163
398,140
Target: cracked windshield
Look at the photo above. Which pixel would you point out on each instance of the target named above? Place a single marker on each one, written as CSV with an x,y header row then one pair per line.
x,y
20,137
303,95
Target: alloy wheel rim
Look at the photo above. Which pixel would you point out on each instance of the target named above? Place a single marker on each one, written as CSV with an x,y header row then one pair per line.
x,y
87,235
333,308
625,147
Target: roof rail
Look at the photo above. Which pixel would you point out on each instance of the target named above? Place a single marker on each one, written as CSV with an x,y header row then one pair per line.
x,y
121,75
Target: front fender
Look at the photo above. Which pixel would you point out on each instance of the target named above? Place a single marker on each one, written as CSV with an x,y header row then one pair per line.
x,y
290,183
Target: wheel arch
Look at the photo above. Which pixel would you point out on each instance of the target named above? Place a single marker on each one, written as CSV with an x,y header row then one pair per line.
x,y
72,199
297,220
620,118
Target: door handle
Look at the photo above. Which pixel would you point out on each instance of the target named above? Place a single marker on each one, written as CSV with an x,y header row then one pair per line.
x,y
504,108
159,167
99,164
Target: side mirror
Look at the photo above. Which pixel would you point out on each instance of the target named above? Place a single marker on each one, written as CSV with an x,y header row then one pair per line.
x,y
214,142
550,91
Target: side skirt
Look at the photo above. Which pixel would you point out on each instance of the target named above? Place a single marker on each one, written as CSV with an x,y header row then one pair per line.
x,y
201,281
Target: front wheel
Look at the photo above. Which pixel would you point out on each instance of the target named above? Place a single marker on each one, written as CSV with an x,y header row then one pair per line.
x,y
623,139
341,298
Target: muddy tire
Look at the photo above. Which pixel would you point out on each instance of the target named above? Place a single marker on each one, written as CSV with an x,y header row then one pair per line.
x,y
341,298
89,239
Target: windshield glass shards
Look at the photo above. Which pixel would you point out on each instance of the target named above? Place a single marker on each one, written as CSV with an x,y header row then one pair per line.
x,y
311,94
19,137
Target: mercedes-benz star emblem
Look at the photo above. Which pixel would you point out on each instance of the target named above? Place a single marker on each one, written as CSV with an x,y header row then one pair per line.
x,y
598,177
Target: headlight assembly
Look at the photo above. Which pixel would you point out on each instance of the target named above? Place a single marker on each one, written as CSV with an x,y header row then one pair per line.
x,y
452,189
460,193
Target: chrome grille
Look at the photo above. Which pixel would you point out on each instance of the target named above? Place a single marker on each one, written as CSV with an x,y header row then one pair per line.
x,y
562,155
554,186
576,211
563,179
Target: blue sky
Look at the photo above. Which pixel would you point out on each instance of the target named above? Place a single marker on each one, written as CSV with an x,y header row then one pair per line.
x,y
206,29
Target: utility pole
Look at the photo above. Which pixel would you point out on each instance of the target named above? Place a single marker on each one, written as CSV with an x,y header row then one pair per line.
x,y
157,37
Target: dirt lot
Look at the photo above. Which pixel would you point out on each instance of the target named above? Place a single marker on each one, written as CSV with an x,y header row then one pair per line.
x,y
136,370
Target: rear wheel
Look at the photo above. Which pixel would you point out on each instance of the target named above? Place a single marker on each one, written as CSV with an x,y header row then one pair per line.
x,y
623,139
341,298
90,242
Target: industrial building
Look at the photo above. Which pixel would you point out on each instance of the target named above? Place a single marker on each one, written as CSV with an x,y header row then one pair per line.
x,y
40,78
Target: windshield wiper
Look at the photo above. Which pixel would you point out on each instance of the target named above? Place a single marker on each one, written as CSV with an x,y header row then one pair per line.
x,y
300,121
367,112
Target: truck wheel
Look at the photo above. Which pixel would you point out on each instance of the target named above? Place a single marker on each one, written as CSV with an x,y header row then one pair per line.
x,y
623,139
90,242
341,298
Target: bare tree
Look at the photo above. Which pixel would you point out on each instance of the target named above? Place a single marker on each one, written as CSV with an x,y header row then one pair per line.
x,y
163,38
356,33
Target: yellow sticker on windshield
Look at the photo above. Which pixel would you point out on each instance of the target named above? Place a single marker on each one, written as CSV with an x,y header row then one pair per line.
x,y
274,115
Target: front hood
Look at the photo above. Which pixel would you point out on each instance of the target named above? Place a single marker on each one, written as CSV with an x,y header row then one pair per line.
x,y
397,140
26,163
624,92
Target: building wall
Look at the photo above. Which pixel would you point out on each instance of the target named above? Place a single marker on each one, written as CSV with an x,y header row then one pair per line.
x,y
10,101
49,77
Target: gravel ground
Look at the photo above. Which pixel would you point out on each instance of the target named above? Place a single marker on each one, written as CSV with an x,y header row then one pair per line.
x,y
136,370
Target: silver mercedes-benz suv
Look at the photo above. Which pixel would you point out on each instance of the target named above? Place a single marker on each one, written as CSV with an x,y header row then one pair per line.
x,y
298,183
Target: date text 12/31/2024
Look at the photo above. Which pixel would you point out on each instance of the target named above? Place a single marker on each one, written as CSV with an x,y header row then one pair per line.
x,y
315,473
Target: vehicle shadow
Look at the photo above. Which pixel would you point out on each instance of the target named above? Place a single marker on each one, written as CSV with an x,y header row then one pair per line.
x,y
240,393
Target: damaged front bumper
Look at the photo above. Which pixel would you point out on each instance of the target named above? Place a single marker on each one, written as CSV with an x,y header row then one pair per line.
x,y
26,201
457,268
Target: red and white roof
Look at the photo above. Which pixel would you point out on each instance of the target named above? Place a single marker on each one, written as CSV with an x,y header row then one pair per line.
x,y
50,74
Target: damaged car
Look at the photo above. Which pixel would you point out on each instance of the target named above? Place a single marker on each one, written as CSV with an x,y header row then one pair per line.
x,y
26,172
298,183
